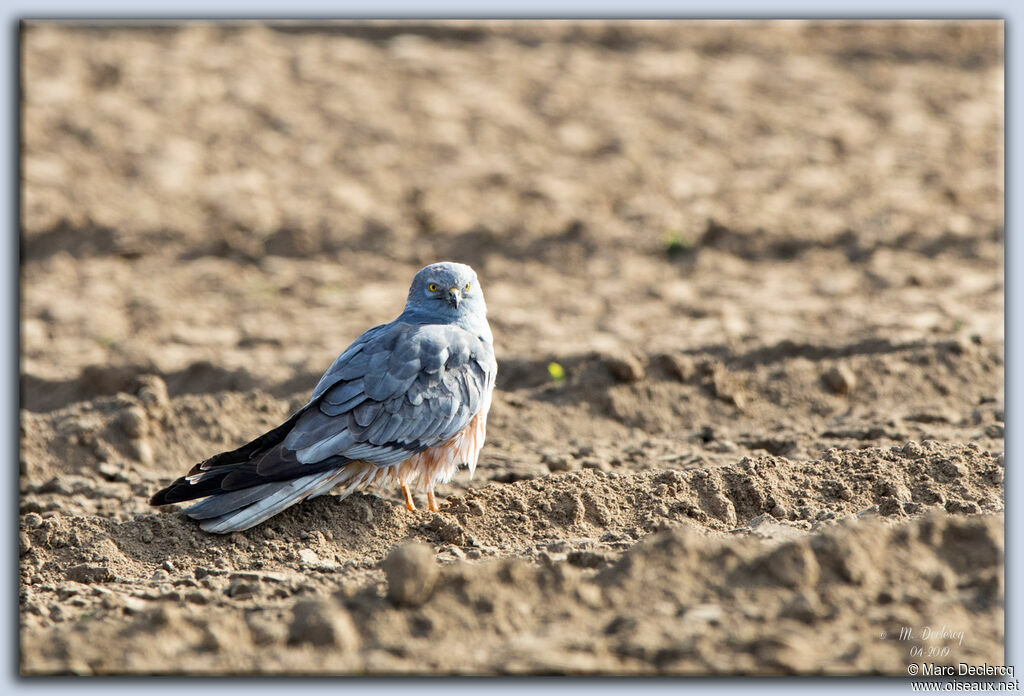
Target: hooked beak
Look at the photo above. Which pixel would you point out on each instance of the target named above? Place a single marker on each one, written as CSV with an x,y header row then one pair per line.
x,y
454,297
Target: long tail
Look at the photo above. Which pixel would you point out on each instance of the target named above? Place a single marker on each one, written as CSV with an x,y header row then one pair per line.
x,y
235,511
250,484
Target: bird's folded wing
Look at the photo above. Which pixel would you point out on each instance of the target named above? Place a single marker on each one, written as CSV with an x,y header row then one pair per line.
x,y
400,389
407,389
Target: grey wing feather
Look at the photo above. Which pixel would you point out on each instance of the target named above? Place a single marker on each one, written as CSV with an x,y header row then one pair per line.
x,y
217,505
357,367
405,389
312,427
343,391
343,407
433,361
365,412
347,359
381,386
389,431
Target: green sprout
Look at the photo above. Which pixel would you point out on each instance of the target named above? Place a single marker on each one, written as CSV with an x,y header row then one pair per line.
x,y
556,371
677,244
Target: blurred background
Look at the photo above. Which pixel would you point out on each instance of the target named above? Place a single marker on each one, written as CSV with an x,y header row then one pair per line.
x,y
256,195
732,269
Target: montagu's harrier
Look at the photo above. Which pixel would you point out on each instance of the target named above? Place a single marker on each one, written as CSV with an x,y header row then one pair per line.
x,y
406,402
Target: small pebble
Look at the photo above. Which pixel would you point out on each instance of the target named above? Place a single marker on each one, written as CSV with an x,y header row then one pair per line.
x,y
265,630
625,369
448,529
112,472
197,597
412,573
721,446
558,462
322,623
242,589
911,508
840,379
89,574
963,507
804,606
890,507
586,559
133,422
913,450
950,469
995,430
596,464
153,392
57,486
679,366
584,451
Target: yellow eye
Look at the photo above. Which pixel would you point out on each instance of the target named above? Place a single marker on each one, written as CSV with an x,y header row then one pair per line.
x,y
467,287
432,288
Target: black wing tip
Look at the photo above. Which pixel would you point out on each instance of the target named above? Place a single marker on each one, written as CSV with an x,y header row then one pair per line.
x,y
184,490
159,498
166,496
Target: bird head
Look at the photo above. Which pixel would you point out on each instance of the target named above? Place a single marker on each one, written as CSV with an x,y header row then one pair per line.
x,y
446,291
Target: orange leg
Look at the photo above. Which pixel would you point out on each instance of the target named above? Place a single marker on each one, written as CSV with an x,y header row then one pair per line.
x,y
432,501
409,505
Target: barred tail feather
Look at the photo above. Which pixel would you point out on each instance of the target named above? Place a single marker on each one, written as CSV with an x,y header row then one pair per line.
x,y
284,495
223,503
234,511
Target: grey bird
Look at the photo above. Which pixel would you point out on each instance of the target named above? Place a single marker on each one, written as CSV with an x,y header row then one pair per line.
x,y
407,402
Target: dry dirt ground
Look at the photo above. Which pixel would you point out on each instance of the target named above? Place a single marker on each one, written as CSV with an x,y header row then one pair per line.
x,y
766,256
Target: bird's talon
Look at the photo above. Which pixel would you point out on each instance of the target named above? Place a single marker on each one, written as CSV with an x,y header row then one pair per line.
x,y
432,502
409,504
